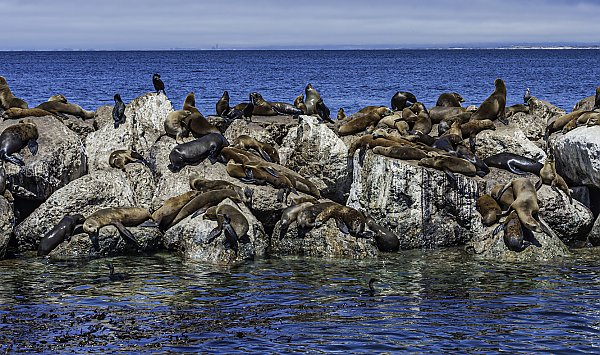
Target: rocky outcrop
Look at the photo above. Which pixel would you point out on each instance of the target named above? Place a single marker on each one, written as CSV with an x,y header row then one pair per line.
x,y
60,159
7,223
189,238
534,123
577,155
594,236
509,139
315,151
266,129
418,204
586,104
144,122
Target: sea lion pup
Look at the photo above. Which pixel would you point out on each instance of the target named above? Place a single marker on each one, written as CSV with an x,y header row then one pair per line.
x,y
558,123
7,99
401,99
341,114
348,220
200,203
323,111
299,103
61,232
118,112
449,99
401,152
449,164
441,113
175,125
511,110
16,137
514,163
494,107
472,128
120,217
121,157
550,177
253,174
266,151
289,215
284,108
17,113
358,122
231,222
196,123
489,209
59,98
194,152
158,84
513,233
312,96
222,106
60,109
163,217
526,96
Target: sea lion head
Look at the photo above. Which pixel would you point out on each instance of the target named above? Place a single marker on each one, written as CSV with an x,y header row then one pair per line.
x,y
226,95
488,124
458,97
91,226
190,99
500,86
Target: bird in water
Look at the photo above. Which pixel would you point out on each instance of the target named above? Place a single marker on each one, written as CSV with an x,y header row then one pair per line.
x,y
527,95
158,84
118,112
247,112
371,287
115,276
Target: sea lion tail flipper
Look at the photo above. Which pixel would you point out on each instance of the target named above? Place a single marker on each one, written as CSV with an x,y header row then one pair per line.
x,y
280,194
498,229
451,178
149,224
342,226
33,146
213,234
95,241
546,228
539,184
271,171
136,155
265,156
198,212
126,234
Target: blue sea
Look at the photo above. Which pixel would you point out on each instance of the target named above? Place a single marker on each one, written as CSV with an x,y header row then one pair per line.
x,y
426,301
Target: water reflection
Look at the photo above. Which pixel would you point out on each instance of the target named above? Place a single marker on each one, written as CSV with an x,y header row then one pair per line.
x,y
425,301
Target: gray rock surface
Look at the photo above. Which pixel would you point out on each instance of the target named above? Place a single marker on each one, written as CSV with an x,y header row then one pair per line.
x,y
594,236
534,123
6,225
577,155
510,139
585,104
267,129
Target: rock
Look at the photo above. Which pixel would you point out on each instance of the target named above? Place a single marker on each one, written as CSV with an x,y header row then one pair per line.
x,y
493,247
85,195
103,117
594,236
218,122
315,151
326,241
266,129
79,126
416,203
145,117
60,159
577,155
509,139
7,223
142,183
586,104
111,244
534,123
189,238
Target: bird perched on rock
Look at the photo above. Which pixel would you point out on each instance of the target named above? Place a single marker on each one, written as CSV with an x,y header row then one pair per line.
x,y
118,112
158,84
527,95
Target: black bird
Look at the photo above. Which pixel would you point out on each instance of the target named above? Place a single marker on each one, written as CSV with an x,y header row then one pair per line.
x,y
527,95
371,288
402,99
115,276
158,84
247,112
118,112
323,111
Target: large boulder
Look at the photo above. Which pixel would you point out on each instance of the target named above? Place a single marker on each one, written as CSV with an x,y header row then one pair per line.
x,y
189,237
594,236
533,124
509,139
266,129
315,151
7,223
60,159
586,104
144,124
577,155
418,204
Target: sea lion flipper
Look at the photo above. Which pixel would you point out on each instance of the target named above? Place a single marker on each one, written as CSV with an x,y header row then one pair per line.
x,y
546,228
95,241
539,184
280,194
270,171
265,156
126,234
472,143
33,146
149,224
198,212
342,226
213,234
14,159
245,239
451,178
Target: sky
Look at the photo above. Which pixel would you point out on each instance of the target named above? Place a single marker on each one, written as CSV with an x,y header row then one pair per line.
x,y
266,24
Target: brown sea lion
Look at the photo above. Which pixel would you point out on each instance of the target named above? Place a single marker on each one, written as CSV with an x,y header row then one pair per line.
x,y
550,177
299,103
472,128
494,107
401,152
231,222
289,215
119,158
253,174
513,233
440,113
341,115
449,99
312,96
489,209
200,203
422,124
175,125
507,197
196,123
284,108
59,98
200,184
348,220
358,122
306,218
556,124
589,118
449,164
261,107
166,213
16,137
511,110
222,106
60,109
368,142
120,217
7,99
570,126
17,113
266,151
240,156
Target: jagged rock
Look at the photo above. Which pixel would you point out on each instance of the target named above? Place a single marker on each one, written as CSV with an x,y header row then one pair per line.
x,y
103,117
85,195
189,238
492,247
509,139
60,159
315,151
7,223
416,203
586,104
144,124
111,244
325,241
142,183
534,123
219,122
594,236
577,155
266,129
79,126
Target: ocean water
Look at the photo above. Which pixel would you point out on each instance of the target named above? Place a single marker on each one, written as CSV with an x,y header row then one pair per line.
x,y
426,301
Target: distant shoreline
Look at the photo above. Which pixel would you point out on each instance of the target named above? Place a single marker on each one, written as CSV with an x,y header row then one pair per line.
x,y
301,49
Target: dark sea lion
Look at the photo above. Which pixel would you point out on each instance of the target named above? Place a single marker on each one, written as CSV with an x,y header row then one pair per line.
x,y
527,96
175,125
158,84
449,99
550,177
16,137
526,205
467,154
222,106
401,152
196,123
511,110
120,217
231,222
266,151
422,124
494,107
59,98
513,233
440,113
312,96
60,109
61,232
289,215
285,109
449,164
358,122
348,220
558,123
341,115
386,240
118,112
489,209
442,128
17,113
514,163
200,203
7,99
323,111
299,103
194,152
472,128
401,99
2,179
119,158
165,214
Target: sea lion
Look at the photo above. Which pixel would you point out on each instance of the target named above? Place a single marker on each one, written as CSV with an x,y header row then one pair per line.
x,y
597,99
289,215
442,128
261,107
360,121
200,203
17,113
312,96
2,179
422,124
231,222
526,96
550,177
489,209
341,114
243,157
7,99
511,110
348,220
284,108
59,233
60,109
266,151
569,126
368,142
401,152
175,125
194,152
514,163
467,154
507,197
494,107
306,218
163,217
59,98
120,217
299,103
472,128
119,158
323,111
255,174
449,99
386,240
590,118
200,184
222,106
526,204
158,84
400,100
449,164
558,123
513,233
196,123
118,112
441,113
16,137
